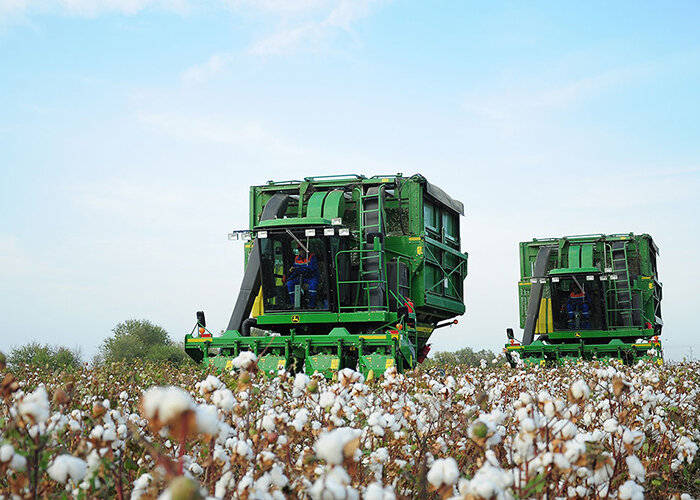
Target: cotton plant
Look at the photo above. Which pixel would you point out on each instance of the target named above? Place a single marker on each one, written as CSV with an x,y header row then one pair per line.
x,y
147,432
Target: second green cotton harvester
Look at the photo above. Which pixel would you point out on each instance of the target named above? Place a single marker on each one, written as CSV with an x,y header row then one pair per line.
x,y
588,297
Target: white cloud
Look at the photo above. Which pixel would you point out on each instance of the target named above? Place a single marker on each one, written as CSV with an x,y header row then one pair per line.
x,y
213,66
527,97
310,34
88,8
283,7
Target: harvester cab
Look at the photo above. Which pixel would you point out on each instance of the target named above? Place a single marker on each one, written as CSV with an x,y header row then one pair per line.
x,y
588,297
343,271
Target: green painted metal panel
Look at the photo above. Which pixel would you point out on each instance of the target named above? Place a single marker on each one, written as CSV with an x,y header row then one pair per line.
x,y
327,364
334,206
315,205
587,255
574,256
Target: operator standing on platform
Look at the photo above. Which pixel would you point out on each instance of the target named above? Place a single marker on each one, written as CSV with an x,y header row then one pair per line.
x,y
304,270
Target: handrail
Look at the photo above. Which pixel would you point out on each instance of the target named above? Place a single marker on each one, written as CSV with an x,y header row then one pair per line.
x,y
370,284
336,176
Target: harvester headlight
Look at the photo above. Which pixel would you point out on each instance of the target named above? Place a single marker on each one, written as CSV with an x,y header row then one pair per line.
x,y
246,236
533,280
262,234
555,280
233,236
590,278
328,231
613,276
608,270
543,280
337,221
310,232
603,278
344,231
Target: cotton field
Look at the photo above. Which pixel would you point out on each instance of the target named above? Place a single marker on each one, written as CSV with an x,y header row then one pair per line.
x,y
149,431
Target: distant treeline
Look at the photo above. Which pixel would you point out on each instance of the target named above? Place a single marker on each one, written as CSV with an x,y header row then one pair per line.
x,y
465,357
130,340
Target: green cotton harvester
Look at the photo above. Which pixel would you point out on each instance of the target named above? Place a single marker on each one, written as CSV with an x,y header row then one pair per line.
x,y
588,297
342,272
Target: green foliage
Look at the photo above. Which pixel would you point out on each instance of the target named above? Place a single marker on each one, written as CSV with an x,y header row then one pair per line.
x,y
45,356
463,357
140,339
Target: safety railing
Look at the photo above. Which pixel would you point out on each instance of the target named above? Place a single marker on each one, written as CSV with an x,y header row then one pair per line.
x,y
364,288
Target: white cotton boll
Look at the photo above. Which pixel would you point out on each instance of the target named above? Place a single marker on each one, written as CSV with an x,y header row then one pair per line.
x,y
300,419
528,425
631,491
18,462
333,485
196,469
326,399
207,419
301,380
6,452
243,449
245,483
277,476
561,461
66,467
224,399
549,409
525,398
34,407
636,468
610,425
209,384
580,389
635,438
565,429
244,360
223,484
140,486
96,432
350,376
268,423
573,449
375,491
166,402
329,445
443,471
488,482
220,455
123,395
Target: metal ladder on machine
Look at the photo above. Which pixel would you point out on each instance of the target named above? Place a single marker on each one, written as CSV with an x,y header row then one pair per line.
x,y
623,292
372,268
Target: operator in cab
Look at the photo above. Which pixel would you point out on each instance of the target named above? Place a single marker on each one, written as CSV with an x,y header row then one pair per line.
x,y
578,305
304,270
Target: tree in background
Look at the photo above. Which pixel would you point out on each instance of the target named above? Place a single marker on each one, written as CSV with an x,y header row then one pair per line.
x,y
141,339
44,356
465,356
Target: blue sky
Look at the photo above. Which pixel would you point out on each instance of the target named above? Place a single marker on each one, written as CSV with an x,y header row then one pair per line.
x,y
130,131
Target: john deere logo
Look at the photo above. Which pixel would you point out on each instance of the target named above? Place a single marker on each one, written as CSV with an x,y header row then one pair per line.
x,y
578,334
295,318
